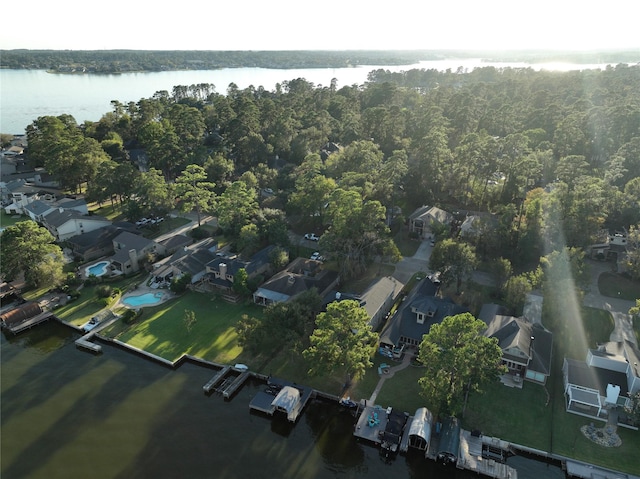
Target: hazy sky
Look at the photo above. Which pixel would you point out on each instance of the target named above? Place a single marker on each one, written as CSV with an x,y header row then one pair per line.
x,y
325,24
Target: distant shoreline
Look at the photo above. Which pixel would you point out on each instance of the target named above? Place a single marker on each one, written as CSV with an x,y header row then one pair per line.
x,y
133,61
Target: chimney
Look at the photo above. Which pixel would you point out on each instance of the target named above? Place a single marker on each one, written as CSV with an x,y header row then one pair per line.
x,y
223,270
291,279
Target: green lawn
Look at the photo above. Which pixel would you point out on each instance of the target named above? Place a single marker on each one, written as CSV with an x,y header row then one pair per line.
x,y
618,286
80,310
9,220
161,329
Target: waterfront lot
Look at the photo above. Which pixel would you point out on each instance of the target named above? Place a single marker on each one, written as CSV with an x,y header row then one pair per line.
x,y
161,329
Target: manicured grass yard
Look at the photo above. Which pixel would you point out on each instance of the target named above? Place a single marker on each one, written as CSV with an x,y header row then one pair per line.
x,y
161,329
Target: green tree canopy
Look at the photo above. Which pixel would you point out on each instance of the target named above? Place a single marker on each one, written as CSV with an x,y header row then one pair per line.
x,y
342,340
453,260
458,360
194,191
30,249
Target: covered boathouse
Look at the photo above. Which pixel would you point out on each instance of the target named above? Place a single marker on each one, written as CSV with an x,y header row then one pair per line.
x,y
449,447
420,429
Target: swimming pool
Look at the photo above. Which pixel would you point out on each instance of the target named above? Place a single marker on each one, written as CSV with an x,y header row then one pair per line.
x,y
97,269
145,299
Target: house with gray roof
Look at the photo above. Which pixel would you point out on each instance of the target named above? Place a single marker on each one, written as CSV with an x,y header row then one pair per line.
x,y
190,259
130,249
300,275
602,386
38,209
221,271
377,299
64,224
423,218
99,242
419,311
526,346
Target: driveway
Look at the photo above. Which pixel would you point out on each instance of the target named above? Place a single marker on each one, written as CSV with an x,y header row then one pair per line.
x,y
619,308
410,265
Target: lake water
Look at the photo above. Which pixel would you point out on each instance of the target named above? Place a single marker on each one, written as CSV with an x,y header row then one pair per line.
x,y
66,413
26,95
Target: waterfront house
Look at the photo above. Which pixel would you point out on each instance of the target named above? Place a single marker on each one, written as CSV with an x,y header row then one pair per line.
x,y
377,299
190,259
602,384
130,249
221,271
526,346
64,224
300,275
99,242
418,312
423,218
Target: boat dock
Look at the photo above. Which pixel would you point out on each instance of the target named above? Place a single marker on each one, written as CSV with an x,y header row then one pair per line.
x,y
282,396
216,379
29,323
228,391
371,424
227,381
472,457
84,342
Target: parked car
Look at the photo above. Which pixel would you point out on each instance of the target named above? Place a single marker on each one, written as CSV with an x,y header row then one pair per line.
x,y
317,256
311,237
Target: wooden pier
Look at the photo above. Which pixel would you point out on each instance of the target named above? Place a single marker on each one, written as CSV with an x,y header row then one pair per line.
x,y
84,342
471,457
216,379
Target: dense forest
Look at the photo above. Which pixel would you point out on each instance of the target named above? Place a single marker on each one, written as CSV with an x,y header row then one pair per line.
x,y
549,159
121,61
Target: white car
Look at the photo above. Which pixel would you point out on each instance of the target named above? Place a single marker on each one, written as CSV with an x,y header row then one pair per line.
x,y
317,256
311,237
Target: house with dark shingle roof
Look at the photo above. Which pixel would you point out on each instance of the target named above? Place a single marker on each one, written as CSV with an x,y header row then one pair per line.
x,y
98,243
130,248
64,224
423,218
38,209
300,275
190,259
377,299
419,311
526,346
222,270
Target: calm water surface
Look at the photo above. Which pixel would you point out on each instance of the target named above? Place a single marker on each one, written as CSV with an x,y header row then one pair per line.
x,y
26,95
70,414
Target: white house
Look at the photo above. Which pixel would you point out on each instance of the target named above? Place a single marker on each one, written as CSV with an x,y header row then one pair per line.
x,y
604,382
64,224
